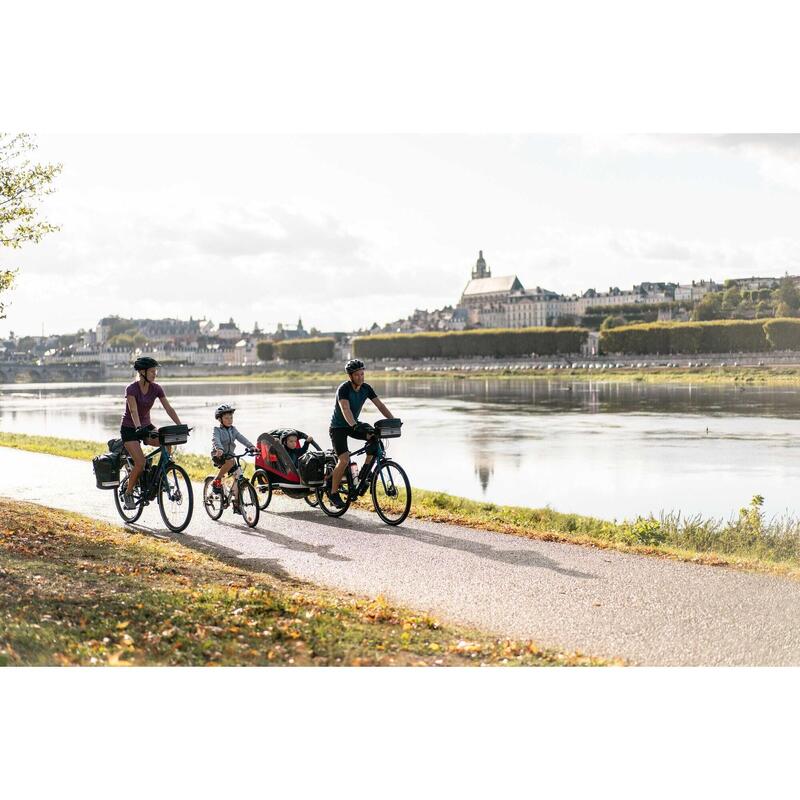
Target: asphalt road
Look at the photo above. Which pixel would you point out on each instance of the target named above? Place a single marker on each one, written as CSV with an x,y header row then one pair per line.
x,y
646,610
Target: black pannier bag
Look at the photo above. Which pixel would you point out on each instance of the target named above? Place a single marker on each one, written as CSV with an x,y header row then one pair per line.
x,y
106,470
388,428
311,467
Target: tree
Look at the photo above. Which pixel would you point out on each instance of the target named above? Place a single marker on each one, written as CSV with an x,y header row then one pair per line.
x,y
710,307
611,322
787,294
22,185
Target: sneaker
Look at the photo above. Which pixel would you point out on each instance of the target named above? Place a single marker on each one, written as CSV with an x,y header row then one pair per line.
x,y
130,503
336,501
216,487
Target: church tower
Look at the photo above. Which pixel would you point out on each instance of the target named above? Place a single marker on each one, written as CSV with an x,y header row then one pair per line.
x,y
481,270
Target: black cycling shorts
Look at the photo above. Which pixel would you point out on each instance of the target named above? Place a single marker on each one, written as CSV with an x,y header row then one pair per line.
x,y
128,433
339,440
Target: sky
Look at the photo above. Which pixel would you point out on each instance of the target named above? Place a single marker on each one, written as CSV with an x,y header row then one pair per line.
x,y
347,230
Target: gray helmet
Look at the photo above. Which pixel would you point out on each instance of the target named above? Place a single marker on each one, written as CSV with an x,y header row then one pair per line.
x,y
354,364
225,408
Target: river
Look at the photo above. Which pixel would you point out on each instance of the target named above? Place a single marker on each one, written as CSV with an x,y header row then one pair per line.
x,y
612,450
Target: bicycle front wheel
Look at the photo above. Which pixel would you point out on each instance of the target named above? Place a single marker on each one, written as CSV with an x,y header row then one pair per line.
x,y
263,487
248,504
175,499
129,515
391,493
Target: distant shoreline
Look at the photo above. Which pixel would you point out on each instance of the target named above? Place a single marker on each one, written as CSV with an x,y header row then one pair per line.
x,y
775,374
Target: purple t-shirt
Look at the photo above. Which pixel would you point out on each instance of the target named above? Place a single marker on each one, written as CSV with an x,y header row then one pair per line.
x,y
144,402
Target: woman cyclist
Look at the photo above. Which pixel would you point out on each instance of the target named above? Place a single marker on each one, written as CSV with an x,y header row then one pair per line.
x,y
136,427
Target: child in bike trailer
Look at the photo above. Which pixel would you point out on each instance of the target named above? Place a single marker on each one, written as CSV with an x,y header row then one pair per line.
x,y
224,438
290,441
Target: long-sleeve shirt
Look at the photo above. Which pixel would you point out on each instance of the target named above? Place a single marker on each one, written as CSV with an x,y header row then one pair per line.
x,y
225,439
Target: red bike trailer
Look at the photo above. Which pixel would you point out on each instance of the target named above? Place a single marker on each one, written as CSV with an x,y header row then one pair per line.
x,y
275,470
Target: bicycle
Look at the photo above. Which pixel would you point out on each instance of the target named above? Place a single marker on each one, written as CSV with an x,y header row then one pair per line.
x,y
215,503
166,482
386,480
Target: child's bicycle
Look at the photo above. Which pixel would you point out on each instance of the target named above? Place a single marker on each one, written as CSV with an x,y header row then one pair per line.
x,y
215,503
165,481
386,480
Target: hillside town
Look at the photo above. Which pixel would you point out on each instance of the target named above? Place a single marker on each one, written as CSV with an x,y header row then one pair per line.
x,y
487,301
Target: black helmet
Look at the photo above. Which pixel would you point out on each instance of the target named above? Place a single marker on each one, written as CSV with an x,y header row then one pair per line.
x,y
225,408
144,362
353,364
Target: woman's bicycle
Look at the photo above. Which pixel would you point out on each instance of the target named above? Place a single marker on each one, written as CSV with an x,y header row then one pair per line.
x,y
216,502
164,481
386,480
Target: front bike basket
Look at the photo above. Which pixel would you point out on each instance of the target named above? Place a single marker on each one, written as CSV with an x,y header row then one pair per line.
x,y
388,428
173,434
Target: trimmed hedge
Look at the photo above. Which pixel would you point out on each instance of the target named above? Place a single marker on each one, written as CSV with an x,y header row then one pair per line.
x,y
265,351
319,349
718,336
496,342
783,334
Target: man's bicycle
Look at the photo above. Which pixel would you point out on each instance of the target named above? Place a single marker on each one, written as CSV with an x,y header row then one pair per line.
x,y
386,480
164,481
216,502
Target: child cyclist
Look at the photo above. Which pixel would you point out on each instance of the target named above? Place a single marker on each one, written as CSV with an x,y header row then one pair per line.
x,y
224,440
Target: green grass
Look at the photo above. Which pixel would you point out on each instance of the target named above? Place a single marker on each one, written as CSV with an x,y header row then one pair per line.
x,y
747,541
768,375
77,591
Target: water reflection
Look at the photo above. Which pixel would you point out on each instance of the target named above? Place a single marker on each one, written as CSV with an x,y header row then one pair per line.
x,y
605,449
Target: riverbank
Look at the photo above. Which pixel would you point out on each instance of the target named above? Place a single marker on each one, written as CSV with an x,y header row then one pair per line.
x,y
748,541
727,375
75,591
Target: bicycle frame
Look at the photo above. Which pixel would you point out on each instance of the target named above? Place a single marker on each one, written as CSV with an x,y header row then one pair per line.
x,y
376,462
154,476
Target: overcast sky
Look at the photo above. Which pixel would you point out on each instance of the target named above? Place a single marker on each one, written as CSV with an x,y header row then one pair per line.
x,y
347,230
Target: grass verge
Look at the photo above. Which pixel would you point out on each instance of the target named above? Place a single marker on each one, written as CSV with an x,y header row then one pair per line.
x,y
77,591
767,375
746,541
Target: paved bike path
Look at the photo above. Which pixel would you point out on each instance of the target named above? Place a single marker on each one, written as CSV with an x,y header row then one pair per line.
x,y
600,602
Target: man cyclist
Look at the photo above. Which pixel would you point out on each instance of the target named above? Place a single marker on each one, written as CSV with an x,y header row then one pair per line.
x,y
135,426
350,399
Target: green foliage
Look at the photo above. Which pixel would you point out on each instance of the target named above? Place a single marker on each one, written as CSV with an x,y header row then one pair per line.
x,y
787,294
265,351
22,184
709,307
723,336
497,342
783,334
320,349
128,340
611,322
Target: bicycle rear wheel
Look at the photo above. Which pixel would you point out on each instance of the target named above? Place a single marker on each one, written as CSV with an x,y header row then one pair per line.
x,y
175,499
212,501
129,515
248,504
324,499
263,487
391,493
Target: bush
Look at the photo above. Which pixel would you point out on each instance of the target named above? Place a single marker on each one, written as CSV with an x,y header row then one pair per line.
x,y
265,351
783,334
498,342
319,349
